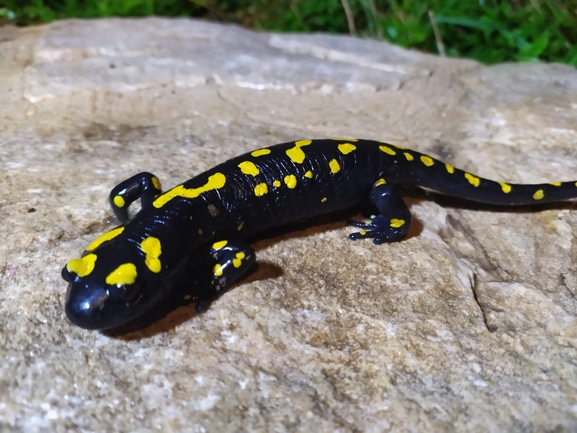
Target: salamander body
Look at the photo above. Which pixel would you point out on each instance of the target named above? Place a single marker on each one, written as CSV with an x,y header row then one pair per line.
x,y
194,235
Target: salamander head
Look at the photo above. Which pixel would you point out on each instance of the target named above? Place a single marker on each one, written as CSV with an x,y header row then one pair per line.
x,y
114,282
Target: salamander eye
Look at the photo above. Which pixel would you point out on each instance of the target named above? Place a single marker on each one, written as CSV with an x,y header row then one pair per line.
x,y
128,292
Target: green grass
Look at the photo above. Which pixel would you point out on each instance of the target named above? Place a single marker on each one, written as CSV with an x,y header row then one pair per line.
x,y
490,31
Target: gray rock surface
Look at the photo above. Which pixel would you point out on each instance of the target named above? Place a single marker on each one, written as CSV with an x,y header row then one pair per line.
x,y
467,325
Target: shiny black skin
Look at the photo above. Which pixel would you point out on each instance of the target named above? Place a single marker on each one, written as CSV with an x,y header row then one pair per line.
x,y
187,227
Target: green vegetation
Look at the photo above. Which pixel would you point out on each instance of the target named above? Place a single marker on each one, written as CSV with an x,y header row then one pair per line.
x,y
490,31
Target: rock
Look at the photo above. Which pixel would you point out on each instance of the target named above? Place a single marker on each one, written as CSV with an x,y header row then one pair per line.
x,y
467,325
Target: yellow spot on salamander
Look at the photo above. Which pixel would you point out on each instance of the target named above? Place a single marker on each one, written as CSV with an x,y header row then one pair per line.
x,y
260,152
450,168
122,275
309,174
105,238
380,182
427,160
248,167
334,165
119,201
323,199
218,245
400,147
296,154
217,270
396,223
237,261
152,248
82,267
156,183
505,187
346,148
555,183
344,139
261,189
473,180
408,156
240,226
362,232
290,181
539,194
215,181
276,183
387,150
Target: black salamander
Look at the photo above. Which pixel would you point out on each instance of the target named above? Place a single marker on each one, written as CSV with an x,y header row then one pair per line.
x,y
200,226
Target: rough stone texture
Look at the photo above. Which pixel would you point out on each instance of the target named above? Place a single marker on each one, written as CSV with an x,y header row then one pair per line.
x,y
468,324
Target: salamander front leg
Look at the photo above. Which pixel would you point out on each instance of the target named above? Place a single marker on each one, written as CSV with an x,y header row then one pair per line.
x,y
233,259
144,186
393,221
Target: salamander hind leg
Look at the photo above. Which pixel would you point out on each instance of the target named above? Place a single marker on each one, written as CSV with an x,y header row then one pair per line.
x,y
393,221
233,259
144,186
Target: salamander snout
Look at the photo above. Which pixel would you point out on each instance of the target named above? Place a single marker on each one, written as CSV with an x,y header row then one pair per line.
x,y
92,305
85,304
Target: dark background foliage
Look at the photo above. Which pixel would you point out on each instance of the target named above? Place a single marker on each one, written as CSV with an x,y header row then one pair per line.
x,y
490,31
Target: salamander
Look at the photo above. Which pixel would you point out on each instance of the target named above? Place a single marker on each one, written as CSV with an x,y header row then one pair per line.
x,y
195,234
